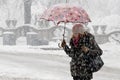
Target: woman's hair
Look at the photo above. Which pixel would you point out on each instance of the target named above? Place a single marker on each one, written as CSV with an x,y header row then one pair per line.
x,y
76,26
74,36
79,35
76,29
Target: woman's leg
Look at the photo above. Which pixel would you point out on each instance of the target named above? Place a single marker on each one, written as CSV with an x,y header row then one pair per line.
x,y
77,78
86,78
74,78
80,78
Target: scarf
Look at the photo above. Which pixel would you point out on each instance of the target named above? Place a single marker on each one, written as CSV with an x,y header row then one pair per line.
x,y
75,41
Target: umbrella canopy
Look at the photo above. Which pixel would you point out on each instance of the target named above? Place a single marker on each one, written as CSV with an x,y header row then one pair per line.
x,y
66,13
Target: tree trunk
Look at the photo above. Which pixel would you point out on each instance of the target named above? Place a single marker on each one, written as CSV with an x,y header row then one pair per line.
x,y
27,11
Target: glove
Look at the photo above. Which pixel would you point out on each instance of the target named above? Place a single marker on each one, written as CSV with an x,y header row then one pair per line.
x,y
63,43
85,49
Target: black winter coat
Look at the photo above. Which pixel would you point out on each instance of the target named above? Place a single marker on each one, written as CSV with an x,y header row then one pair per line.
x,y
80,62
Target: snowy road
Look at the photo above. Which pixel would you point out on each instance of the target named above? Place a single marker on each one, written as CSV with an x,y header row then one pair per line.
x,y
44,67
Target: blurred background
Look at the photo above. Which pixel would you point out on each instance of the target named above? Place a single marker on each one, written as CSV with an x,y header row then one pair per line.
x,y
21,19
29,46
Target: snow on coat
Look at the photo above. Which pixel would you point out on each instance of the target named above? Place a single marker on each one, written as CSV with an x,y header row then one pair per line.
x,y
80,61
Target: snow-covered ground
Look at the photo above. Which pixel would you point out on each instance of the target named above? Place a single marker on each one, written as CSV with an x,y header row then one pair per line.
x,y
34,63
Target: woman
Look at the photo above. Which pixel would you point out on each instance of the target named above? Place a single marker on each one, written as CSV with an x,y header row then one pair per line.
x,y
83,47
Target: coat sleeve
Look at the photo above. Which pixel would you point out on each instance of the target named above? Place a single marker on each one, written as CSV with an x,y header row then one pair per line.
x,y
69,51
95,50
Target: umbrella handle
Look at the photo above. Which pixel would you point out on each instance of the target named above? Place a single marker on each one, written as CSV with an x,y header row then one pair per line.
x,y
64,31
63,36
59,45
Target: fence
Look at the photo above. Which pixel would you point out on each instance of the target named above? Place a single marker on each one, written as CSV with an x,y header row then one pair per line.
x,y
37,36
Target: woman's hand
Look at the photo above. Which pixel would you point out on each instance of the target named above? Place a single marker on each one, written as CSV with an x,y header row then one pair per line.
x,y
85,49
63,43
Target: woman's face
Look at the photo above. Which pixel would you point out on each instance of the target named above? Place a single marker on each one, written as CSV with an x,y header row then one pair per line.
x,y
78,31
76,34
81,30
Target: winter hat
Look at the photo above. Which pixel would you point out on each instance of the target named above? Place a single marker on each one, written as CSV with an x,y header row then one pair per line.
x,y
78,28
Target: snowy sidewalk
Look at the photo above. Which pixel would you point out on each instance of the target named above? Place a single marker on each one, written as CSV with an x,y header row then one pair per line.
x,y
11,78
110,55
16,63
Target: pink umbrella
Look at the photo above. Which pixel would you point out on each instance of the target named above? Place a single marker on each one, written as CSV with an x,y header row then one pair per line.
x,y
66,13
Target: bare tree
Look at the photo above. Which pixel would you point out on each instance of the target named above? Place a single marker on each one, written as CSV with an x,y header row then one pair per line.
x,y
27,11
2,2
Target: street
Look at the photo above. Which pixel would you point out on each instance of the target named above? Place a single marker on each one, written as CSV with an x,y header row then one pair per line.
x,y
48,67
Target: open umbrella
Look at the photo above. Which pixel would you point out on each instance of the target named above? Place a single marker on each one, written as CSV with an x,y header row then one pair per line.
x,y
66,13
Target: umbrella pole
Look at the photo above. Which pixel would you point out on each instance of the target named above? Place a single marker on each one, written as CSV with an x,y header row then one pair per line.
x,y
63,36
64,31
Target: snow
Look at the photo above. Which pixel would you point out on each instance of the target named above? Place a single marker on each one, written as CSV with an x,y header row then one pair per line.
x,y
21,41
19,71
111,55
24,62
112,20
31,33
16,70
8,33
10,66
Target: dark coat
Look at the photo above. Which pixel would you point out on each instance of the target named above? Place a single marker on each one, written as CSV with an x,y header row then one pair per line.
x,y
80,61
